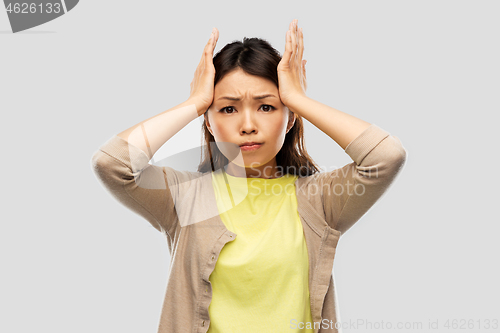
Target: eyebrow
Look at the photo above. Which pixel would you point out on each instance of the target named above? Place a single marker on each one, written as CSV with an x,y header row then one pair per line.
x,y
239,99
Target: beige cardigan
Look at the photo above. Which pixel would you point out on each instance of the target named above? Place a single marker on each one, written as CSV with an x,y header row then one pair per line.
x,y
181,205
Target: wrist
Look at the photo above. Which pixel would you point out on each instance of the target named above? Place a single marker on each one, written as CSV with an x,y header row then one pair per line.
x,y
201,107
295,104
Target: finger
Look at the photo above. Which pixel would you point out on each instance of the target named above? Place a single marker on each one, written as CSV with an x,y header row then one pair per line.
x,y
303,76
298,60
288,49
301,44
203,55
215,38
294,42
209,47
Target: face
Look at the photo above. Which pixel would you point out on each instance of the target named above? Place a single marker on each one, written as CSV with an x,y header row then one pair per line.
x,y
233,122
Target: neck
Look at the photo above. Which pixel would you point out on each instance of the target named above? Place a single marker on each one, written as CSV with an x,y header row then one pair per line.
x,y
264,171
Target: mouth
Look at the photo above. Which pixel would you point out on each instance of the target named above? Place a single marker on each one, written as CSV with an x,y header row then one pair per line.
x,y
250,147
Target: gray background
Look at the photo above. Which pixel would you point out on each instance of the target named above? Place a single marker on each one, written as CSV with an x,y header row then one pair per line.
x,y
75,260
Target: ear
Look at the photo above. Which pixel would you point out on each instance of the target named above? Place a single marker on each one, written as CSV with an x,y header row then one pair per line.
x,y
207,122
291,121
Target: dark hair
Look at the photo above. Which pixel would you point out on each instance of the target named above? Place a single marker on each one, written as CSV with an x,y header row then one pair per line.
x,y
256,56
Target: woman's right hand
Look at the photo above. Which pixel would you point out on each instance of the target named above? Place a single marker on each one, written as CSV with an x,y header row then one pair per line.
x,y
202,86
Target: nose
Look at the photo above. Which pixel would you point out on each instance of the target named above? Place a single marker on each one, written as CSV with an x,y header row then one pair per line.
x,y
248,124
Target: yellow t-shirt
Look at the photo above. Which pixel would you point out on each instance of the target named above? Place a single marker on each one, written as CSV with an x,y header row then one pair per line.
x,y
260,280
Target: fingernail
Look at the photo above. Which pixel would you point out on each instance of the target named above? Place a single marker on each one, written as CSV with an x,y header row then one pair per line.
x,y
213,30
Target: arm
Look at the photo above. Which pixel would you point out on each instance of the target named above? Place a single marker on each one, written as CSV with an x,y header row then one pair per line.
x,y
122,166
123,170
340,126
343,128
122,163
149,135
348,192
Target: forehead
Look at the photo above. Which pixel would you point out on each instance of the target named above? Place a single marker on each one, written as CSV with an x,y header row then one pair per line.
x,y
238,82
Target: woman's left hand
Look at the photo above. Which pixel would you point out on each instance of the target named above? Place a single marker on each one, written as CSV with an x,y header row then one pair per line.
x,y
291,68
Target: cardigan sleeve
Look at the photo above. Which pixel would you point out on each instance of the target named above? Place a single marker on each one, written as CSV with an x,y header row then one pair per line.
x,y
124,170
349,192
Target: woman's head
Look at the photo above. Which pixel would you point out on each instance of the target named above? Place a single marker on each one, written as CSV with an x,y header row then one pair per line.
x,y
246,70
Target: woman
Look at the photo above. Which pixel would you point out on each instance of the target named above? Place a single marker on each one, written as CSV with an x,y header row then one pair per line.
x,y
253,233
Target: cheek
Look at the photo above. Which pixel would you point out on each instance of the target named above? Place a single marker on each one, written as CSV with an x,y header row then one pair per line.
x,y
279,127
277,131
219,131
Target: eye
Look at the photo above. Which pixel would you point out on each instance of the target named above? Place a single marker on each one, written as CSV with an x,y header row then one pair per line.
x,y
227,107
267,108
270,107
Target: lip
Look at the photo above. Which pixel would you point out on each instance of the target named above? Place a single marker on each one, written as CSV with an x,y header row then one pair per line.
x,y
250,147
250,143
